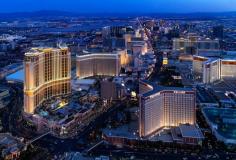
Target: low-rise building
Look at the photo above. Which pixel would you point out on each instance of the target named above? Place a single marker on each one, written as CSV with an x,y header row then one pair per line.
x,y
4,97
64,118
187,134
111,90
222,123
11,147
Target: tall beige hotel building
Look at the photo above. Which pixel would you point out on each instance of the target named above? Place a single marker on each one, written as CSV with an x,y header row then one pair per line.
x,y
164,107
47,74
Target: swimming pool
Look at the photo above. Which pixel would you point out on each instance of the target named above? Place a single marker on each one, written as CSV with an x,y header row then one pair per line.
x,y
17,76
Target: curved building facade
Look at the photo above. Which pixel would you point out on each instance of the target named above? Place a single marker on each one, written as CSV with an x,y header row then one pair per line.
x,y
47,74
100,64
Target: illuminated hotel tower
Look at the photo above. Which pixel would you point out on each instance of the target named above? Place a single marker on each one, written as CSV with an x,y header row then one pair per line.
x,y
200,43
47,74
101,64
211,69
162,107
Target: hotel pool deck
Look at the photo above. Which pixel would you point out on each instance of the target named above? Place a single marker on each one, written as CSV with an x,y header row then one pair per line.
x,y
222,122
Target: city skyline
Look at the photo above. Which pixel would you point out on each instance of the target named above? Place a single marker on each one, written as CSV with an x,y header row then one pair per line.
x,y
117,79
114,6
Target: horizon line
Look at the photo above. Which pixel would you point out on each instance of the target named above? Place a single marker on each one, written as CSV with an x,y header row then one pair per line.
x,y
133,12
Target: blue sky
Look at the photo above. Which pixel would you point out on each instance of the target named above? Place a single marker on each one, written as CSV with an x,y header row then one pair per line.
x,y
121,6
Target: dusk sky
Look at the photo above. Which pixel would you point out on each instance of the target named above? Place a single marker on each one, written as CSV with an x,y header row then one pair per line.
x,y
121,6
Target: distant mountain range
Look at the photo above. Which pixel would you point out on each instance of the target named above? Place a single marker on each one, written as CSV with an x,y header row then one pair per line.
x,y
55,13
42,13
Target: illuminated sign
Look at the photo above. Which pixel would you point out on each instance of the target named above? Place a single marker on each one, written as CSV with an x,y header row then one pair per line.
x,y
165,61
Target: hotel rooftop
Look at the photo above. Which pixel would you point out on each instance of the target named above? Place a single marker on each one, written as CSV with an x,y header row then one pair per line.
x,y
154,88
40,50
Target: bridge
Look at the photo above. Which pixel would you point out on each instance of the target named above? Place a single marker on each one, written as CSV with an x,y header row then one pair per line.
x,y
94,146
37,138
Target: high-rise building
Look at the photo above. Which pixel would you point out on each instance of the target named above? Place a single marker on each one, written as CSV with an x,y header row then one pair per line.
x,y
116,31
217,69
197,43
212,69
198,62
101,64
114,43
47,74
162,107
